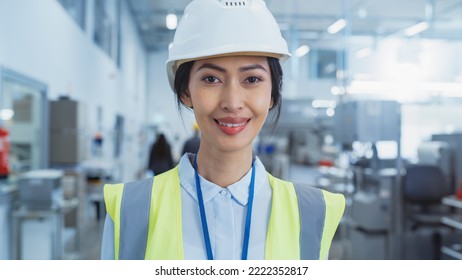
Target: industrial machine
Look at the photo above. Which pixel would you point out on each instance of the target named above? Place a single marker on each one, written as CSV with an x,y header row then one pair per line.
x,y
41,210
367,121
454,141
374,215
7,196
67,132
40,189
438,153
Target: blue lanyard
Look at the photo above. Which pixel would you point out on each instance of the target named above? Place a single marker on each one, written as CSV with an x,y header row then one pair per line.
x,y
205,229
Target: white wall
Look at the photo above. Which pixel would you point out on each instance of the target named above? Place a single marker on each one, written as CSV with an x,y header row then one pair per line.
x,y
40,40
413,61
419,122
436,60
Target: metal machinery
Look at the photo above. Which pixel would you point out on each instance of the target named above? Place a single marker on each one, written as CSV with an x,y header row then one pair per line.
x,y
455,145
374,212
99,172
67,132
297,140
445,150
437,153
453,248
7,195
68,149
41,210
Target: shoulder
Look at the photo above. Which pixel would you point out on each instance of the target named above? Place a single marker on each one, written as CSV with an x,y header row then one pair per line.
x,y
118,187
307,194
335,203
330,200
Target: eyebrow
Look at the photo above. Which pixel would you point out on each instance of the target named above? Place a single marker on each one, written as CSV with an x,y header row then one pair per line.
x,y
223,70
211,66
252,67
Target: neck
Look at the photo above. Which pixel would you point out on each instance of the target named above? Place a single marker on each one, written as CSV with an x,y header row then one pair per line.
x,y
224,169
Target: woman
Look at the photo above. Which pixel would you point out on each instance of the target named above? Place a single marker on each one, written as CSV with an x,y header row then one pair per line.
x,y
160,156
224,64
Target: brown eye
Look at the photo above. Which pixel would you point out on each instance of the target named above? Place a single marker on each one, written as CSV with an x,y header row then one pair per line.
x,y
253,80
211,79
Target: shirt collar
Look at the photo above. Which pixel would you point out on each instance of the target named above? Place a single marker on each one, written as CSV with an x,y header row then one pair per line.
x,y
239,191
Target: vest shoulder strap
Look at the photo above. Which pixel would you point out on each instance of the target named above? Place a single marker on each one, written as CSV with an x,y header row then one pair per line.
x,y
165,236
138,215
335,206
312,220
133,219
123,202
282,238
320,214
113,199
305,215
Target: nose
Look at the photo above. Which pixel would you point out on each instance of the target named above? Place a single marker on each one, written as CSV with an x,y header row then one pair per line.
x,y
232,97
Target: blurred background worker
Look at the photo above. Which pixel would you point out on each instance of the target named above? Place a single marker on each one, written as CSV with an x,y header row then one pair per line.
x,y
192,144
160,157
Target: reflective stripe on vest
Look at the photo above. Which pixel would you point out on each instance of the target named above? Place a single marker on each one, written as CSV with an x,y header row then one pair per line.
x,y
154,230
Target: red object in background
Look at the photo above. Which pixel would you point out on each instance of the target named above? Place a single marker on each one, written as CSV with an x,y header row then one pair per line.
x,y
459,191
325,162
4,152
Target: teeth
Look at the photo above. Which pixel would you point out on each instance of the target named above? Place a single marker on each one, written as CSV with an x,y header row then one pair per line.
x,y
231,124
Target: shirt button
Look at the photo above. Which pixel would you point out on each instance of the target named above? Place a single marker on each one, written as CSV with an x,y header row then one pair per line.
x,y
223,192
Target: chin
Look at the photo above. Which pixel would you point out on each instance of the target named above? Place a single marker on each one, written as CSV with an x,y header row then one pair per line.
x,y
236,145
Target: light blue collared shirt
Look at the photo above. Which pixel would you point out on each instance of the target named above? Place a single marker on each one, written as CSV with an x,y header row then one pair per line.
x,y
226,210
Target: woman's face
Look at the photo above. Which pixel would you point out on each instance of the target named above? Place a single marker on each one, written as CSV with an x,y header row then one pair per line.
x,y
231,97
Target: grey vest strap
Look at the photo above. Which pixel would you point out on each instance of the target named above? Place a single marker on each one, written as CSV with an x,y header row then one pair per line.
x,y
134,219
312,209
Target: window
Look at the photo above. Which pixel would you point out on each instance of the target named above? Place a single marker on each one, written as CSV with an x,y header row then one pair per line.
x,y
325,63
76,9
106,32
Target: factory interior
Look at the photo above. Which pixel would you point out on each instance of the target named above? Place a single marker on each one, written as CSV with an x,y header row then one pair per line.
x,y
371,109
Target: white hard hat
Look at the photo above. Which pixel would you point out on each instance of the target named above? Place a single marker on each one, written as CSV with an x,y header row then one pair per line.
x,y
211,28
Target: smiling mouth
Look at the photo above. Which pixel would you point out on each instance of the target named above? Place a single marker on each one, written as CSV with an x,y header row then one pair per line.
x,y
231,124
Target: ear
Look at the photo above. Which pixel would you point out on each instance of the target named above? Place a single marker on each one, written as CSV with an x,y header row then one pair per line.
x,y
186,99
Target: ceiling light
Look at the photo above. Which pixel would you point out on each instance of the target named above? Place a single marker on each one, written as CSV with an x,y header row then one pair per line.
x,y
330,112
361,53
336,26
416,28
362,13
6,114
302,50
416,87
323,103
171,21
336,90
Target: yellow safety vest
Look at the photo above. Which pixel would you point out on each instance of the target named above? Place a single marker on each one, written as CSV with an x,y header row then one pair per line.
x,y
148,222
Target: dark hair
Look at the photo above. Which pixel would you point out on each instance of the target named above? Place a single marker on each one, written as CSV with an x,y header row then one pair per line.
x,y
161,147
182,81
160,156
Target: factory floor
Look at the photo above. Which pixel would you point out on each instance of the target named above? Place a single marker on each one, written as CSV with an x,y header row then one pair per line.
x,y
90,240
